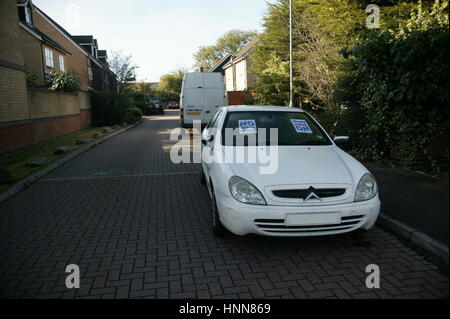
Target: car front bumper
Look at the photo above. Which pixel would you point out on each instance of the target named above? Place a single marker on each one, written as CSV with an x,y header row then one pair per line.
x,y
242,219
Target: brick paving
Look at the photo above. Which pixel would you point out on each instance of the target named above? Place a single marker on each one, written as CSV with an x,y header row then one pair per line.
x,y
138,227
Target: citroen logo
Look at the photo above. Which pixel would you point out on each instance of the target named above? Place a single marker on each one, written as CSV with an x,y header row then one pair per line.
x,y
312,195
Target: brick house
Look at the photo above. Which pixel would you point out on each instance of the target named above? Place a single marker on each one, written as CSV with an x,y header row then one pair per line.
x,y
238,78
218,67
101,78
86,62
32,43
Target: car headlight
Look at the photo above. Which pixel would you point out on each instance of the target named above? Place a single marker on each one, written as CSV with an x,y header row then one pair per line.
x,y
245,192
367,188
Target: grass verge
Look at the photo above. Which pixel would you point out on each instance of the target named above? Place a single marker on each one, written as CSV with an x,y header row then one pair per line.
x,y
17,164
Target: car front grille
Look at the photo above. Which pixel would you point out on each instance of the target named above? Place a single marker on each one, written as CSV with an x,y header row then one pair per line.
x,y
277,226
304,193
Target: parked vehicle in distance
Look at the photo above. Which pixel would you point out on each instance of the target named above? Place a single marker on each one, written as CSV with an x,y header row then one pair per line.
x,y
317,189
201,95
155,106
173,105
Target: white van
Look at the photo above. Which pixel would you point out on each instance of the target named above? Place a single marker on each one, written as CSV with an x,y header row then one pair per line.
x,y
201,95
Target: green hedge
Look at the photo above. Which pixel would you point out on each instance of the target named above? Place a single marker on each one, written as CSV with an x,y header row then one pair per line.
x,y
109,108
397,97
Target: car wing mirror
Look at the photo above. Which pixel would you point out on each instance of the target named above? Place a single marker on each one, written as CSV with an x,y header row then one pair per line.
x,y
207,139
340,140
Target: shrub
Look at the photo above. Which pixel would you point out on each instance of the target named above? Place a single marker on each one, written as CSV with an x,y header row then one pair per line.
x,y
139,101
31,79
62,82
109,108
133,114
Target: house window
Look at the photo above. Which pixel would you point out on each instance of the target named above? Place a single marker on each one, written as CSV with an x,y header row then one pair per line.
x,y
61,63
49,58
91,76
28,15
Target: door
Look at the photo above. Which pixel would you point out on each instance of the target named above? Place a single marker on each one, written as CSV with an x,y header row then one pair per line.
x,y
213,93
193,100
208,145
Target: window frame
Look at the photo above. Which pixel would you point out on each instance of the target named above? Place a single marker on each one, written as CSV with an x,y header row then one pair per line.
x,y
213,119
49,61
90,74
62,65
317,126
28,17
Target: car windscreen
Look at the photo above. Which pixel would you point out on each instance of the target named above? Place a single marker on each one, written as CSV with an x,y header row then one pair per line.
x,y
294,128
154,101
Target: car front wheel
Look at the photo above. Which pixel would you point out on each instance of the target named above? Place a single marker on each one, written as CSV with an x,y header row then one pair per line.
x,y
217,228
202,177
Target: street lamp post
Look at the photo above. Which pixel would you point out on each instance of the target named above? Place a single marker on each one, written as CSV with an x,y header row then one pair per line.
x,y
291,92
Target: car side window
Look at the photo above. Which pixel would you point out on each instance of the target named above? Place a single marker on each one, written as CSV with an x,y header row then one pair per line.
x,y
217,122
213,119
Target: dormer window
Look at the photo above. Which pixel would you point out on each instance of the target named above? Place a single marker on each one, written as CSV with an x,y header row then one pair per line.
x,y
28,15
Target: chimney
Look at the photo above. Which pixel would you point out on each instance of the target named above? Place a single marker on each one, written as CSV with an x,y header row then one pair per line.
x,y
202,69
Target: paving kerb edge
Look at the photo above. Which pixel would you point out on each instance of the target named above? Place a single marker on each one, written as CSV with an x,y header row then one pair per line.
x,y
17,187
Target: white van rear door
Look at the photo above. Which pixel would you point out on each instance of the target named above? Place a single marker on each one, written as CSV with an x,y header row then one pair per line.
x,y
213,93
193,100
193,81
213,100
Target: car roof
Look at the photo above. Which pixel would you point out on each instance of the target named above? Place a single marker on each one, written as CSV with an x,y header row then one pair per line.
x,y
268,108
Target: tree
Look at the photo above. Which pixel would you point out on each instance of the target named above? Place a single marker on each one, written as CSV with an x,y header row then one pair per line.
x,y
320,30
230,43
172,82
124,68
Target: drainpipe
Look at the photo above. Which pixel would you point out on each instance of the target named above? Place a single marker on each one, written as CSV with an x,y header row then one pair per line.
x,y
291,92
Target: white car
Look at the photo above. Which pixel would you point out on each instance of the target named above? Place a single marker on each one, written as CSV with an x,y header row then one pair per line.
x,y
316,189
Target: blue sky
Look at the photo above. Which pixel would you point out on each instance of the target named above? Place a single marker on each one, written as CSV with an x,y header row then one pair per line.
x,y
161,35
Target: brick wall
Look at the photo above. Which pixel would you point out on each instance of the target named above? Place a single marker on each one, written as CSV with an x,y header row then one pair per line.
x,y
85,118
14,137
236,97
52,114
13,95
48,129
44,104
32,53
10,49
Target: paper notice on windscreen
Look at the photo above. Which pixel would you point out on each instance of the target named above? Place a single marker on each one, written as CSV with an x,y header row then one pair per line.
x,y
301,126
247,127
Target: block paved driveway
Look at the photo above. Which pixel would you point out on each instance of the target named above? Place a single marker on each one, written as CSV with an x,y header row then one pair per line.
x,y
138,227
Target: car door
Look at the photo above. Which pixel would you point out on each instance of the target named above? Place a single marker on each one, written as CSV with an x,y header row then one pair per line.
x,y
208,144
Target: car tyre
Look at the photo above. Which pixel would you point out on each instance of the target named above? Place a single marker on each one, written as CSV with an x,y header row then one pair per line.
x,y
216,225
202,177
